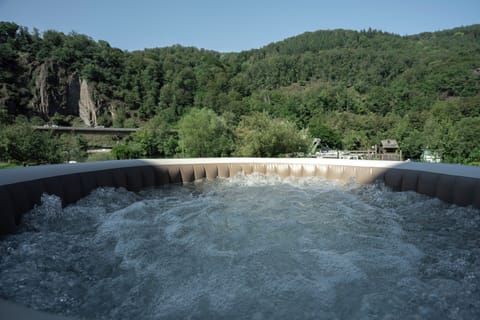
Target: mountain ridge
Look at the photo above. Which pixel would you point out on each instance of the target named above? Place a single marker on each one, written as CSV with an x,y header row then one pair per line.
x,y
344,74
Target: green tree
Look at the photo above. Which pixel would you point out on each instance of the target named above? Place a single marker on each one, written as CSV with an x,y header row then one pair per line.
x,y
202,133
21,144
465,144
156,138
127,151
74,147
412,145
355,140
329,136
59,120
118,118
258,135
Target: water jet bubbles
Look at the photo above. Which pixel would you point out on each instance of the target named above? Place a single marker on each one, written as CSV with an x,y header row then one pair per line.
x,y
248,246
45,215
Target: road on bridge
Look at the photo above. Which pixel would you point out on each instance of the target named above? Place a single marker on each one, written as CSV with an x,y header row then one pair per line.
x,y
87,130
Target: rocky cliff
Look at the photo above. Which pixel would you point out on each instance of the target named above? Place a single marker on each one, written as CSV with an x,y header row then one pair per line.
x,y
86,106
62,93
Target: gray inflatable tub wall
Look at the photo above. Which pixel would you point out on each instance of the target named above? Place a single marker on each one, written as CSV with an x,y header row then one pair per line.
x,y
21,188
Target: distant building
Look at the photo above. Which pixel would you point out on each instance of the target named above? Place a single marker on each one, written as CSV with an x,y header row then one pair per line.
x,y
389,150
431,156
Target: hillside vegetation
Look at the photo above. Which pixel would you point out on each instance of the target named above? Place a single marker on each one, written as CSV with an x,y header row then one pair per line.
x,y
351,89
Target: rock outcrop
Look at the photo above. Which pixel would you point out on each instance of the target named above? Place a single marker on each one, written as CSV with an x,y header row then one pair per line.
x,y
42,101
73,94
58,92
86,105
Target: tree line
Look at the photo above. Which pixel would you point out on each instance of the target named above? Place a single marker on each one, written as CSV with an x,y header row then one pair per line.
x,y
349,88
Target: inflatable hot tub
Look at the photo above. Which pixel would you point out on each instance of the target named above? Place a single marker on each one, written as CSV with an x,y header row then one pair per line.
x,y
21,188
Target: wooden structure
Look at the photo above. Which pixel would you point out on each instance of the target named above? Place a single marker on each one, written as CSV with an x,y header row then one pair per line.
x,y
389,150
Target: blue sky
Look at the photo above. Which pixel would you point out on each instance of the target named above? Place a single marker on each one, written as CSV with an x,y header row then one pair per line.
x,y
225,26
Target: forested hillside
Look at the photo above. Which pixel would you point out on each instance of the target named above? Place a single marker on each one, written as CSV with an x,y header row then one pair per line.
x,y
351,89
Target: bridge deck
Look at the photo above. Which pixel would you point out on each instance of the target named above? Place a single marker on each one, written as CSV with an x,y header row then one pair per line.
x,y
87,130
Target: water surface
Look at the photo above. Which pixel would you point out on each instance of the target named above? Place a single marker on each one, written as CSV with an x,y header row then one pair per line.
x,y
249,247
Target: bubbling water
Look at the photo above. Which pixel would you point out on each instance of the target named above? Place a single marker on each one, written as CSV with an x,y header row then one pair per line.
x,y
248,247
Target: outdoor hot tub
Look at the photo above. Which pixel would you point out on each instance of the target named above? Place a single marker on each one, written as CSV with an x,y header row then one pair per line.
x,y
241,238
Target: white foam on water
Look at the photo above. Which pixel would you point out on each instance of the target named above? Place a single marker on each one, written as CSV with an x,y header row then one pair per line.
x,y
252,247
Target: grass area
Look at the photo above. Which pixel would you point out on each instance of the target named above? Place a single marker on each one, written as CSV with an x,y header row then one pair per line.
x,y
4,165
100,156
96,141
97,156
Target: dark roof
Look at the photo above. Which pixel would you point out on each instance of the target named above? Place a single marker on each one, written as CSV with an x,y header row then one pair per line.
x,y
390,144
